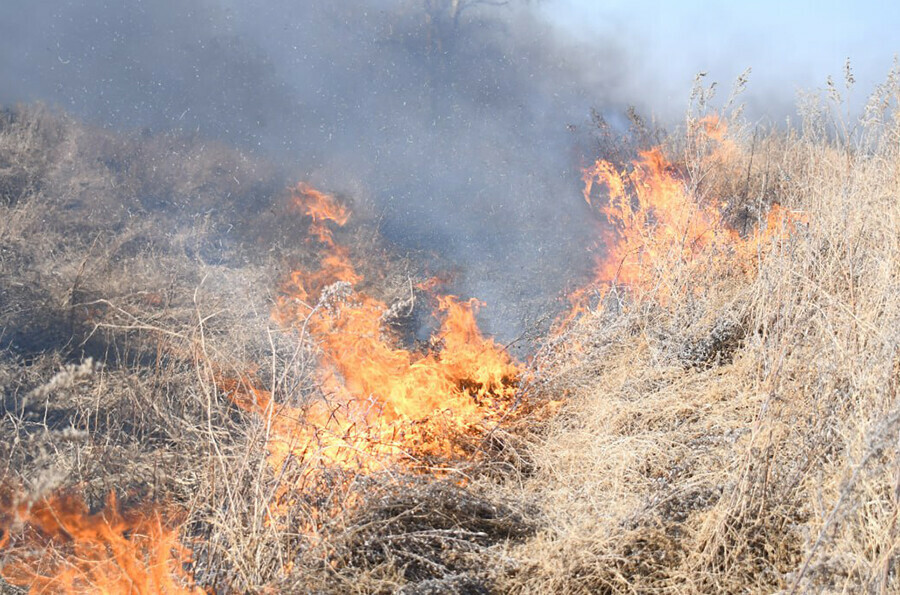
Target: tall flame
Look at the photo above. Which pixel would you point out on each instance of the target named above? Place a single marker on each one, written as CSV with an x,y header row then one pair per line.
x,y
382,403
658,225
655,220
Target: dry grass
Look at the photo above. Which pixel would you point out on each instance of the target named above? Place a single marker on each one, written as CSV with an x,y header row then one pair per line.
x,y
772,466
137,273
740,438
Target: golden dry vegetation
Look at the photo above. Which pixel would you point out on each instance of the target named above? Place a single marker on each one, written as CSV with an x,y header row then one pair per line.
x,y
717,413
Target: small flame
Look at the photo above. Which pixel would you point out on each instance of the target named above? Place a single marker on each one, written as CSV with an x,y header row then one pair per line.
x,y
715,128
57,546
321,208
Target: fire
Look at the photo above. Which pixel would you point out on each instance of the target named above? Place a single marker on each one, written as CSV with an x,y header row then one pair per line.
x,y
321,208
56,545
382,404
659,226
715,129
713,132
656,221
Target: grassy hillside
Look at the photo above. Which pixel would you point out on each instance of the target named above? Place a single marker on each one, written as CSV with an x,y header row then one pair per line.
x,y
718,412
734,428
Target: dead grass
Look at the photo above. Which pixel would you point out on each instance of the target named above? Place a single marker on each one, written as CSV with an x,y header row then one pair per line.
x,y
740,438
771,469
137,273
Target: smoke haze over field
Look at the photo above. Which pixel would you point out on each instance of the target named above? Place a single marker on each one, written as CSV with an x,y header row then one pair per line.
x,y
456,130
790,45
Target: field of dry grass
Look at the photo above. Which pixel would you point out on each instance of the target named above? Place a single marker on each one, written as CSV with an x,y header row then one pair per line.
x,y
740,435
730,425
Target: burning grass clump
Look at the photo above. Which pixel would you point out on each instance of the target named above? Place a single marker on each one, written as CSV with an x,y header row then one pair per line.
x,y
731,421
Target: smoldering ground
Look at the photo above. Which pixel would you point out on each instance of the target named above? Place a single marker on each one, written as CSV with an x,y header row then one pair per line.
x,y
456,127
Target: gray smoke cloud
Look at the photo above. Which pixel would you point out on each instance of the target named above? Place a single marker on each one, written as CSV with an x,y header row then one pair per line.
x,y
456,127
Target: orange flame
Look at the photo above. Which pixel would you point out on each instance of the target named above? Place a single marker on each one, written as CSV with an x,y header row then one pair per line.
x,y
658,225
715,128
655,219
57,546
321,208
382,403
724,149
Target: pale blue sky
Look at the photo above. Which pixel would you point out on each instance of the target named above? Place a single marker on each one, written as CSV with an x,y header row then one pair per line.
x,y
789,44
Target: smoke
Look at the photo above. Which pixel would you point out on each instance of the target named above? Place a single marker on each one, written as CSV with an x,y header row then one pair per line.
x,y
791,47
457,128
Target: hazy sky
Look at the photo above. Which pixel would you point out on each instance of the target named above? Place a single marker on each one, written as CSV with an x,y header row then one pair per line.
x,y
789,44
